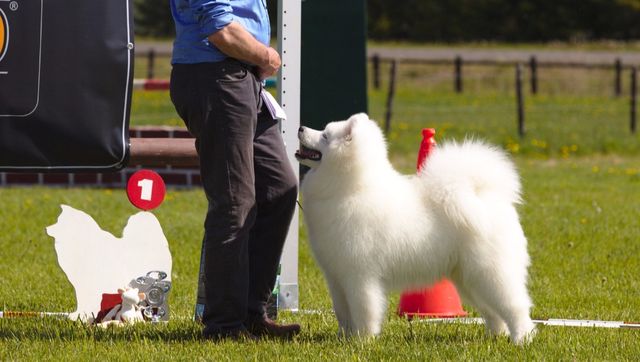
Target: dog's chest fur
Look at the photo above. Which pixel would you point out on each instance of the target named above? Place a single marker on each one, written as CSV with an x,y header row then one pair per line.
x,y
370,223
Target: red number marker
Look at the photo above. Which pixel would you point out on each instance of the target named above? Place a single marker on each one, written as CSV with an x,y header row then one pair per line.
x,y
146,189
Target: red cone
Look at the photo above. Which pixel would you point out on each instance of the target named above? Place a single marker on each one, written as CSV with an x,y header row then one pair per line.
x,y
441,300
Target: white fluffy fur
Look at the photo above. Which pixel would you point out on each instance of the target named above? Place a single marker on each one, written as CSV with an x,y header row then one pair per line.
x,y
373,230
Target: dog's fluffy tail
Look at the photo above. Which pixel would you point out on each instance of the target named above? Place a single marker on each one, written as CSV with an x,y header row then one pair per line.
x,y
468,180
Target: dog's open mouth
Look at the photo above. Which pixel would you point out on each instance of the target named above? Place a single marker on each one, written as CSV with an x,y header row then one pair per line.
x,y
305,153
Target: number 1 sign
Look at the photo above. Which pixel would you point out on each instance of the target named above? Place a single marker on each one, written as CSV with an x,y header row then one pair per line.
x,y
146,189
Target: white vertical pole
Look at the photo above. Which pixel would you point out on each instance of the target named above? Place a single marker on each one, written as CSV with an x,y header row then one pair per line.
x,y
289,41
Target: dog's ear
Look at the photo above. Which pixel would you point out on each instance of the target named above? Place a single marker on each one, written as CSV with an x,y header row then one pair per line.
x,y
353,122
347,136
358,117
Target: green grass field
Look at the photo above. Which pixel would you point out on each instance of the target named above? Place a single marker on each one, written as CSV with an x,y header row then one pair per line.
x,y
580,169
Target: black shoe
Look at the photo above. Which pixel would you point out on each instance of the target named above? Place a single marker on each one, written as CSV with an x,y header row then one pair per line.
x,y
264,327
238,335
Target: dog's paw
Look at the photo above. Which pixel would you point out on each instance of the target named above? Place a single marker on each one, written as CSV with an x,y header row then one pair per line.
x,y
496,328
356,335
525,337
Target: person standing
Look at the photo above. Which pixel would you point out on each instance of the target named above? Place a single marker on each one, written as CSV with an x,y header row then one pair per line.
x,y
220,56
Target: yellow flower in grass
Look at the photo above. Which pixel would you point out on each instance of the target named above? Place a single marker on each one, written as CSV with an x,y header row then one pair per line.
x,y
539,143
566,151
512,146
595,169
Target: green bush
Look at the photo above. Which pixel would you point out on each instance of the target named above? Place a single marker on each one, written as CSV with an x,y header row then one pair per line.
x,y
461,20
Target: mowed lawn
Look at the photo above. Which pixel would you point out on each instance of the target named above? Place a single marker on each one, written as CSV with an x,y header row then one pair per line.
x,y
580,170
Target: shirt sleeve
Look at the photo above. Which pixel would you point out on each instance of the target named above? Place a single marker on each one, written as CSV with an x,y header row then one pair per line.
x,y
212,15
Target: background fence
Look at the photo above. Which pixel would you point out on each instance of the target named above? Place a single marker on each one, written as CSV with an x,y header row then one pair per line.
x,y
534,66
527,76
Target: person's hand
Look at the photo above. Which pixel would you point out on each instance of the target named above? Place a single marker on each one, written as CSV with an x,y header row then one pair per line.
x,y
236,42
270,65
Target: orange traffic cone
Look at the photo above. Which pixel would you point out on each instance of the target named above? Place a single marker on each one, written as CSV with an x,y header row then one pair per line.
x,y
441,300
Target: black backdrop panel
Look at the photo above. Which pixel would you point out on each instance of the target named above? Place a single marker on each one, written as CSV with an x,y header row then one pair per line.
x,y
334,61
66,71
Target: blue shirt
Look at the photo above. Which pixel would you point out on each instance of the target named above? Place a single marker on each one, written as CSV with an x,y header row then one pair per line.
x,y
195,20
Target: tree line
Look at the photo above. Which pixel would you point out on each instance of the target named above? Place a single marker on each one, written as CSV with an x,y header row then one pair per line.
x,y
463,20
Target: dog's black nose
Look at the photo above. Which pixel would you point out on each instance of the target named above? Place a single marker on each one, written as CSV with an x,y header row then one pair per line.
x,y
301,129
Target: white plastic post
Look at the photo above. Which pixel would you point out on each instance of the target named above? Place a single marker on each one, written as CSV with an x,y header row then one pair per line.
x,y
289,40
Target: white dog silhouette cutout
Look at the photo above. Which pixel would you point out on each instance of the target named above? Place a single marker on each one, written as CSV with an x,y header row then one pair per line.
x,y
97,262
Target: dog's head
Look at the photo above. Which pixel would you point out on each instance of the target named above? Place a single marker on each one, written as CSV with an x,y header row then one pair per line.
x,y
349,142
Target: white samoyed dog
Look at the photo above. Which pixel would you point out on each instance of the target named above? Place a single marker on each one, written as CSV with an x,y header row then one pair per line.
x,y
373,230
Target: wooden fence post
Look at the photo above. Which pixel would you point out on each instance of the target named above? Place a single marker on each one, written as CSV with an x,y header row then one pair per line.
x,y
618,78
376,71
520,100
458,74
151,57
392,91
634,99
533,65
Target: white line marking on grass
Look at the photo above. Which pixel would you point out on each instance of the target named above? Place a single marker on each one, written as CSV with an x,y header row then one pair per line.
x,y
547,322
23,314
585,323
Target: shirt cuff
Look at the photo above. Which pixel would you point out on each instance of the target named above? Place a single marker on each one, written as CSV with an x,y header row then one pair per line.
x,y
213,16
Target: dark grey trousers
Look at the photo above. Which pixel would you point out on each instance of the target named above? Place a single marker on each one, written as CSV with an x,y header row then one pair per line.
x,y
249,184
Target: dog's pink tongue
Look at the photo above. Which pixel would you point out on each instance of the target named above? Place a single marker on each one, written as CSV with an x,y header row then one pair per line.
x,y
308,153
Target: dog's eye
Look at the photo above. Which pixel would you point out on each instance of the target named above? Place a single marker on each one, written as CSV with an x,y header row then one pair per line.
x,y
324,136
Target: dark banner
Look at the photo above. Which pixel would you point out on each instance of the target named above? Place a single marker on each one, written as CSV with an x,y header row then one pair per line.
x,y
66,71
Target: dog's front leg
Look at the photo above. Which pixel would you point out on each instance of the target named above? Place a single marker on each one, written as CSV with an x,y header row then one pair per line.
x,y
340,306
367,306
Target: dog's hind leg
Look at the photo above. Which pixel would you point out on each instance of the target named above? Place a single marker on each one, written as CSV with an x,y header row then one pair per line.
x,y
508,298
340,306
367,306
494,324
516,315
